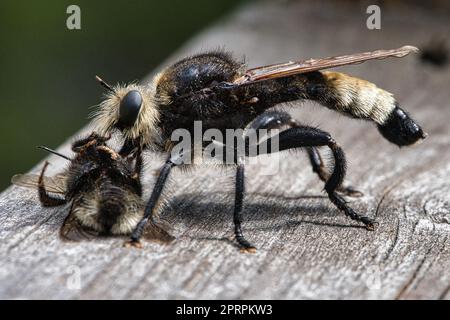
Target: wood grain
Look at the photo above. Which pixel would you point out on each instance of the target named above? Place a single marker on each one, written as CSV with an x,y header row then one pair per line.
x,y
306,248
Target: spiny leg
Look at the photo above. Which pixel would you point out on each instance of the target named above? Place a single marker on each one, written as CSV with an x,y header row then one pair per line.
x,y
151,205
128,147
92,139
278,119
136,176
138,164
304,136
322,172
46,199
237,216
336,179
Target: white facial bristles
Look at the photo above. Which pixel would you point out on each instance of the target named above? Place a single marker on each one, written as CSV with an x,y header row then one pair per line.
x,y
145,128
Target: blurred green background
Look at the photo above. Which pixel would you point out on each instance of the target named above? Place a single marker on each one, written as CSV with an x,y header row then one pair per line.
x,y
47,71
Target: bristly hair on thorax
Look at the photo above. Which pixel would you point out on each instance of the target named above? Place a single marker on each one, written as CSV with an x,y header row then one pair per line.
x,y
145,129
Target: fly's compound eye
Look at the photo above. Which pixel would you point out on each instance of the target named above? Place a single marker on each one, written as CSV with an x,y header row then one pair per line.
x,y
129,108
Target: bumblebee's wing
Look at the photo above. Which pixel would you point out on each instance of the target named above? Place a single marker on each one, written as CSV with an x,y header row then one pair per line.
x,y
72,230
55,184
295,67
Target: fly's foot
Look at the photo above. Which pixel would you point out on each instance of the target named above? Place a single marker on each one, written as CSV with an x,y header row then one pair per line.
x,y
133,244
245,246
369,223
248,249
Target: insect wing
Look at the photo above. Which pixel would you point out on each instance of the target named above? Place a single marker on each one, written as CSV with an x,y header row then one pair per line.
x,y
295,67
55,184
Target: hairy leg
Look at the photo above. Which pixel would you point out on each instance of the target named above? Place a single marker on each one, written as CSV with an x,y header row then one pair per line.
x,y
304,136
279,119
149,212
322,172
237,216
138,165
46,199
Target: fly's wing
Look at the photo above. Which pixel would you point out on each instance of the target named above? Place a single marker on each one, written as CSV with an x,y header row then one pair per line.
x,y
295,67
55,184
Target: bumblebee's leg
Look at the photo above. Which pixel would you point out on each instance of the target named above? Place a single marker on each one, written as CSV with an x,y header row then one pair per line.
x,y
278,119
91,139
304,136
237,216
151,204
46,199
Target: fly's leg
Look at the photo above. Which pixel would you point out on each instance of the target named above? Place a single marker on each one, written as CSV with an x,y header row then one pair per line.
x,y
304,136
278,119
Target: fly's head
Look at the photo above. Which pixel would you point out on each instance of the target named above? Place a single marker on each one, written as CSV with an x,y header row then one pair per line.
x,y
132,111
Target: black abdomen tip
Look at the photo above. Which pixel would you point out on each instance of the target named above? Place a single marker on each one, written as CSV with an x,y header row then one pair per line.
x,y
400,129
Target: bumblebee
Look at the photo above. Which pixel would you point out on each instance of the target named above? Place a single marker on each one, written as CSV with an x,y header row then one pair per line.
x,y
103,188
222,93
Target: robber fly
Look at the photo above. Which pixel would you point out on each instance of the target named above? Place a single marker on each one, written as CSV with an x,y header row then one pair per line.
x,y
222,93
103,188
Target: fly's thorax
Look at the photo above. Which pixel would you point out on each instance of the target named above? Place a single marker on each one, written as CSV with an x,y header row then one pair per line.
x,y
133,110
196,73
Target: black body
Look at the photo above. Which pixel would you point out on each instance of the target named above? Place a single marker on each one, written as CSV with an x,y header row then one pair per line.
x,y
204,88
201,89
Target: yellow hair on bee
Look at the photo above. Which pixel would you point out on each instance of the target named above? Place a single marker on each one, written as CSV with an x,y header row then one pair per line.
x,y
163,87
357,97
87,213
145,129
130,218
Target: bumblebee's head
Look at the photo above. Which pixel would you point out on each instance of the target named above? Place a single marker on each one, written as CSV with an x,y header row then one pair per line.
x,y
131,110
400,129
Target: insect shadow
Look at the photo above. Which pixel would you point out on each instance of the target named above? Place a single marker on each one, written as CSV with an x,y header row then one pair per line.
x,y
208,215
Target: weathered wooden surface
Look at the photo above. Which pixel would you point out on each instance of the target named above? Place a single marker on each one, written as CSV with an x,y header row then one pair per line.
x,y
306,248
